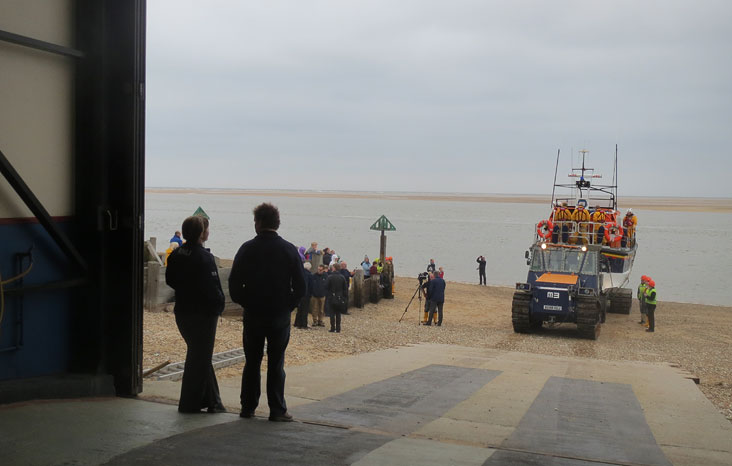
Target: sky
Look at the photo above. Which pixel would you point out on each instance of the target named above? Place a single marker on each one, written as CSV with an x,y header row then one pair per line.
x,y
470,96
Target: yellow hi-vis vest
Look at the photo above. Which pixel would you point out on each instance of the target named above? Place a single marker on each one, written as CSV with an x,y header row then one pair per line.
x,y
649,292
642,292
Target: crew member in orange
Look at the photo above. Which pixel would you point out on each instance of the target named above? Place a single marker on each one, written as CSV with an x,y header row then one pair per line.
x,y
598,225
629,223
581,217
615,236
561,215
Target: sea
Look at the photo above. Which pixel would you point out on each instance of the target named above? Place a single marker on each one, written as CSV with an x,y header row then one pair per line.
x,y
688,254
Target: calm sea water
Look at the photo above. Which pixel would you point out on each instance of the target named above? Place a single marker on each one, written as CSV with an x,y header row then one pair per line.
x,y
688,254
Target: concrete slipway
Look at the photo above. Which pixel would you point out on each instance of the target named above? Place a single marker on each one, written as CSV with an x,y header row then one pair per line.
x,y
419,405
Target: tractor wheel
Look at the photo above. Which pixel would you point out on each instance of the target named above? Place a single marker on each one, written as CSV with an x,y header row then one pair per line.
x,y
588,317
520,312
620,300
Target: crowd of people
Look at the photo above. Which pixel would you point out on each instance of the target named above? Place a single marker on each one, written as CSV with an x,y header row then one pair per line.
x,y
326,291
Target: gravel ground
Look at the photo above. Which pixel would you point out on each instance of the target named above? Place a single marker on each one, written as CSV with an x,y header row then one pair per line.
x,y
695,337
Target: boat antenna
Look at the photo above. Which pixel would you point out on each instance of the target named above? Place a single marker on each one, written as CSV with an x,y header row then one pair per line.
x,y
556,167
615,179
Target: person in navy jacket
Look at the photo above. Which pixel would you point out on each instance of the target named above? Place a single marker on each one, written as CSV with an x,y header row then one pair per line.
x,y
436,296
268,280
199,301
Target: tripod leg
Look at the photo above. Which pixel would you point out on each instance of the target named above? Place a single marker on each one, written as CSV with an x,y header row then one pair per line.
x,y
410,301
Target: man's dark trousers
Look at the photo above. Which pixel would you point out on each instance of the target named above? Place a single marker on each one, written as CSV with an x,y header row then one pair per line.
x,y
277,334
481,276
651,311
435,305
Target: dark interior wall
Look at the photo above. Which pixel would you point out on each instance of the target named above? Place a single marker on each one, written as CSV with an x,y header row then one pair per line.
x,y
93,329
110,126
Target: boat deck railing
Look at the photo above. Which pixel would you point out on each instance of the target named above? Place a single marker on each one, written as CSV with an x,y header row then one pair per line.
x,y
584,233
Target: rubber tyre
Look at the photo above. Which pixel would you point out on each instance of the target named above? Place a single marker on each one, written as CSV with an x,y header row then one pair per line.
x,y
588,317
621,299
521,312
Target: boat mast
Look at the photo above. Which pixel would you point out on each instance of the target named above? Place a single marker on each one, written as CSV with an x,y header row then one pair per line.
x,y
615,180
554,187
582,183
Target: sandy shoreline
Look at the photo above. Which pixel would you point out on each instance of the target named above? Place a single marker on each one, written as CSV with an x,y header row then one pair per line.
x,y
681,204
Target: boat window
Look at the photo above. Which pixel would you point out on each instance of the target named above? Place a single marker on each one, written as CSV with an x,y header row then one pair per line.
x,y
564,260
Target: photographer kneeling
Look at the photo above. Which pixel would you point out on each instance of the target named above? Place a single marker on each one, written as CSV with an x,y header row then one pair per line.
x,y
435,298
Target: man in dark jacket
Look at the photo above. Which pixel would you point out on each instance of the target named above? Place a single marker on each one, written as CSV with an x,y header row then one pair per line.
x,y
267,279
347,275
317,301
436,297
327,256
337,299
481,270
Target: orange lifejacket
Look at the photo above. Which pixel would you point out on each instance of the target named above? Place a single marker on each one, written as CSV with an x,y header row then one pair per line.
x,y
562,214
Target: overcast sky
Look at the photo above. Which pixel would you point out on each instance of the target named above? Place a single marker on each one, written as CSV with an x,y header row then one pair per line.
x,y
443,96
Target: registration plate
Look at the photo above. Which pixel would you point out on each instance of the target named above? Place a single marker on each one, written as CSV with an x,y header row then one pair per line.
x,y
552,308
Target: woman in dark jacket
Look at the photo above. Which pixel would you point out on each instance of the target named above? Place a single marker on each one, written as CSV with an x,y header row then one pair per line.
x,y
199,301
336,298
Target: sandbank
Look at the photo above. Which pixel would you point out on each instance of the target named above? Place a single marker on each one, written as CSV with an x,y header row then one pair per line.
x,y
680,204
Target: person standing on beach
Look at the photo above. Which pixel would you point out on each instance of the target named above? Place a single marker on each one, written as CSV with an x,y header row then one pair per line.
x,y
268,280
431,267
327,256
366,264
650,294
481,270
436,298
642,298
317,302
303,307
199,301
313,251
176,239
336,301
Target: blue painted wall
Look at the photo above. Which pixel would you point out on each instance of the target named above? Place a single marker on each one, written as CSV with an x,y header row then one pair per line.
x,y
46,316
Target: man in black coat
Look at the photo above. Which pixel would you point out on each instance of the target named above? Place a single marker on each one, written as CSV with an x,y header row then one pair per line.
x,y
336,300
481,270
347,276
267,279
436,298
318,290
327,256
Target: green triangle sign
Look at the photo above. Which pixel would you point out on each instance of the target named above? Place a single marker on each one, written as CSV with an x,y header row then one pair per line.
x,y
383,224
201,213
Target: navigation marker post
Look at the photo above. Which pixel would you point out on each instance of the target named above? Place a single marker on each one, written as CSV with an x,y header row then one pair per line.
x,y
383,224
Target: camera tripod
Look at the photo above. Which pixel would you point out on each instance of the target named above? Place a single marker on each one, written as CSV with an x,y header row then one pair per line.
x,y
418,293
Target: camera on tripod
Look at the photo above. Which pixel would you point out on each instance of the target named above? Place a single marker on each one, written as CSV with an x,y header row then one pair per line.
x,y
422,277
